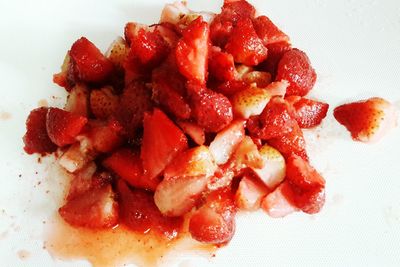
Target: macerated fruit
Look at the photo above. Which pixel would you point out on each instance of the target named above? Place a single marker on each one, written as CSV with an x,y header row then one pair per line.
x,y
308,113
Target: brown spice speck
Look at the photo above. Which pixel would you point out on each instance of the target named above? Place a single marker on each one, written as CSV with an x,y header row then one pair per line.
x,y
23,254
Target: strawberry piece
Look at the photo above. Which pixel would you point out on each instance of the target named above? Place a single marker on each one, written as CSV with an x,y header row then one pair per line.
x,y
36,139
134,102
276,204
77,156
169,91
78,100
96,208
260,79
89,64
220,31
226,141
268,32
81,181
162,141
185,179
192,51
128,165
214,222
244,44
274,121
295,67
367,120
250,102
139,213
246,155
229,88
194,131
250,193
117,52
308,113
65,77
275,53
211,110
63,126
104,136
291,143
103,102
306,187
221,65
131,31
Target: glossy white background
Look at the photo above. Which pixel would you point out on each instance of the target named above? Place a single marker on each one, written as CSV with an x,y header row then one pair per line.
x,y
355,47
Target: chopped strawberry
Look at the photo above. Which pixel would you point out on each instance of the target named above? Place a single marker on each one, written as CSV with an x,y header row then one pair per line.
x,y
250,102
214,222
131,31
185,179
275,120
81,181
220,31
260,79
134,102
276,204
89,64
250,193
63,126
308,113
221,65
367,120
104,136
128,165
229,88
295,67
211,110
77,156
275,53
162,141
246,155
277,88
96,208
117,52
268,32
169,91
192,51
78,100
139,213
235,10
194,131
103,102
306,188
244,44
65,78
291,143
226,141
36,139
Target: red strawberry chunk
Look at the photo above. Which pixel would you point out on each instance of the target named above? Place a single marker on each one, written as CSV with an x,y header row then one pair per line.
x,y
367,120
295,67
250,193
103,102
229,88
81,181
96,208
104,136
150,48
221,65
128,165
169,91
211,110
194,131
192,51
135,101
235,10
244,44
268,32
63,126
291,143
275,53
276,203
162,141
89,64
308,113
220,31
306,188
139,213
214,222
36,139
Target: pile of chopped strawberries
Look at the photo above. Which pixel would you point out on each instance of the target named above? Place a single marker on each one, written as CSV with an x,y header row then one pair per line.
x,y
192,118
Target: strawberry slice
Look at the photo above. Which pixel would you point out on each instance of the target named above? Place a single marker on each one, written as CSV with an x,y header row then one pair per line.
x,y
77,156
63,126
103,102
244,44
134,102
162,141
185,179
268,32
276,204
139,213
104,136
211,110
214,222
250,102
81,181
89,64
250,193
246,155
36,139
275,53
367,120
260,79
96,208
194,131
226,141
78,100
306,187
290,143
308,113
192,51
295,67
128,165
221,65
